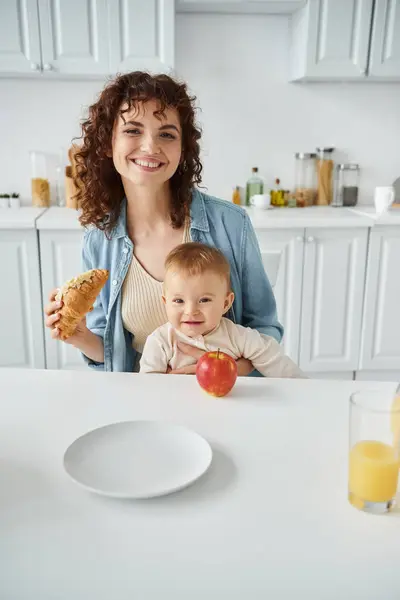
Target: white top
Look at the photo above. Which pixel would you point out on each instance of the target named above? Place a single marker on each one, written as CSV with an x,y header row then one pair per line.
x,y
269,520
20,218
142,307
161,349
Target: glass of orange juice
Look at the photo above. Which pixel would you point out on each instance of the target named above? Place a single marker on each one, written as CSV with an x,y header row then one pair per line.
x,y
374,458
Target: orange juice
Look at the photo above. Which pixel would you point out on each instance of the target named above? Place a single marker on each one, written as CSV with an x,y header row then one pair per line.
x,y
373,473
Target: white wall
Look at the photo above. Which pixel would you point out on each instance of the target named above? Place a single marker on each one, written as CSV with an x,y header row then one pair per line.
x,y
237,66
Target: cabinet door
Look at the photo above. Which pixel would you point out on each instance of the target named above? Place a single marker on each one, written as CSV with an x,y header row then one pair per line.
x,y
380,347
330,39
21,311
74,36
385,42
141,35
19,37
60,255
282,255
333,292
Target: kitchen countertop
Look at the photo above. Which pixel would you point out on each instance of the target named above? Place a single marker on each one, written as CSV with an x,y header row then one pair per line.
x,y
56,218
270,518
390,217
308,217
60,218
20,218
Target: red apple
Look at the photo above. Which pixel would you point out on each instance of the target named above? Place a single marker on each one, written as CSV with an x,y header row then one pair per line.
x,y
216,373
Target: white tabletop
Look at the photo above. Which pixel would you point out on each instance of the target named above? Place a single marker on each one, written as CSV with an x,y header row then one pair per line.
x,y
269,520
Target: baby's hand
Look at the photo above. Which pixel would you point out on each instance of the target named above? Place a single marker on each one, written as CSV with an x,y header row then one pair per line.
x,y
244,366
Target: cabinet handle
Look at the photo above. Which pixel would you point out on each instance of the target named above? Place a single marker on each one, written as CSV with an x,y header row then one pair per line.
x,y
310,239
35,67
47,67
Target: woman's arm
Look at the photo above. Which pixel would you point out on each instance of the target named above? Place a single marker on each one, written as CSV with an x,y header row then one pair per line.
x,y
259,306
90,342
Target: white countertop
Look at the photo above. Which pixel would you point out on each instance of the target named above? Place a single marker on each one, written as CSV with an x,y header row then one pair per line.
x,y
390,217
20,218
313,216
60,218
269,520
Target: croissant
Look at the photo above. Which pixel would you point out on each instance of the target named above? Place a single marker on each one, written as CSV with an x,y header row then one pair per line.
x,y
78,296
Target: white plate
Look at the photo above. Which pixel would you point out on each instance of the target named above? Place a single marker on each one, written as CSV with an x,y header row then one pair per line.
x,y
138,459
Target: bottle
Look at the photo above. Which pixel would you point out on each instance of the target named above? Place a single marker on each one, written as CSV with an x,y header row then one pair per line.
x,y
254,185
236,199
277,194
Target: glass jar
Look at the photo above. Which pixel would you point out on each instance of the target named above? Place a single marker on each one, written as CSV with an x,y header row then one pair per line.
x,y
305,179
325,176
346,185
39,182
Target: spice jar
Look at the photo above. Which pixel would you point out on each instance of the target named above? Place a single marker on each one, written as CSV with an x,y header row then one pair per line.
x,y
305,179
346,185
39,183
325,176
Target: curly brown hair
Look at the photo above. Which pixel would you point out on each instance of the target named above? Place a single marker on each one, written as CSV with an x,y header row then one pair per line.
x,y
100,190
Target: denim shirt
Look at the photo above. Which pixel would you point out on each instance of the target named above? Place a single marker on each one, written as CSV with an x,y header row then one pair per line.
x,y
214,222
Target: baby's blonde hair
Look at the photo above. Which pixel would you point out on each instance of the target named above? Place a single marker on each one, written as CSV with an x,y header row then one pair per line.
x,y
194,258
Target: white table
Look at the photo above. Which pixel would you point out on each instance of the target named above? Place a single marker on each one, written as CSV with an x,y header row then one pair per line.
x,y
270,520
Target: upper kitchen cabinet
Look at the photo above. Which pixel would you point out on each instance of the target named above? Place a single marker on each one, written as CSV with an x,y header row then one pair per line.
x,y
74,36
141,35
384,60
19,37
330,40
85,38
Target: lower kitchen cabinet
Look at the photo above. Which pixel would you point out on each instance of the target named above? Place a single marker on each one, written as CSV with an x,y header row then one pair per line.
x,y
380,346
282,256
60,257
21,312
332,300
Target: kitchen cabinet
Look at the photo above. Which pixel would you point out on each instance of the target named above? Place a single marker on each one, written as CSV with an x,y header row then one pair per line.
x,y
380,347
282,255
239,6
332,299
385,41
19,37
21,321
74,37
85,38
330,40
141,35
60,257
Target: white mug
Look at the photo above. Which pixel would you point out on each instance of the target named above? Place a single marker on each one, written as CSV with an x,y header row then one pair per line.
x,y
383,198
260,200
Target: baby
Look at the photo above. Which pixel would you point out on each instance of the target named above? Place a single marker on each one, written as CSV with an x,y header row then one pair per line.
x,y
196,295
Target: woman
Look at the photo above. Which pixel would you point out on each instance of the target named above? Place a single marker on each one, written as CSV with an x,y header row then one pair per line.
x,y
137,170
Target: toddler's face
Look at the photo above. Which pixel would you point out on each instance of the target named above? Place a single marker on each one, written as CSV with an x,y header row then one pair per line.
x,y
195,304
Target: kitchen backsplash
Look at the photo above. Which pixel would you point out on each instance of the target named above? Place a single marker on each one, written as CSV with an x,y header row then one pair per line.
x,y
238,67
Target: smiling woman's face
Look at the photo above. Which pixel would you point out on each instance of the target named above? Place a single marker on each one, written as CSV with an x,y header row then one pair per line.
x,y
147,147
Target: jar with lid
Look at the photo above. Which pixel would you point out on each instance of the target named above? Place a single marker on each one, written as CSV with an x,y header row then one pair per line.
x,y
39,182
346,184
325,176
305,178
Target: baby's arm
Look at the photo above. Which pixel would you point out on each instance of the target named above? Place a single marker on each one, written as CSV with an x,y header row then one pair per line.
x,y
266,355
154,358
